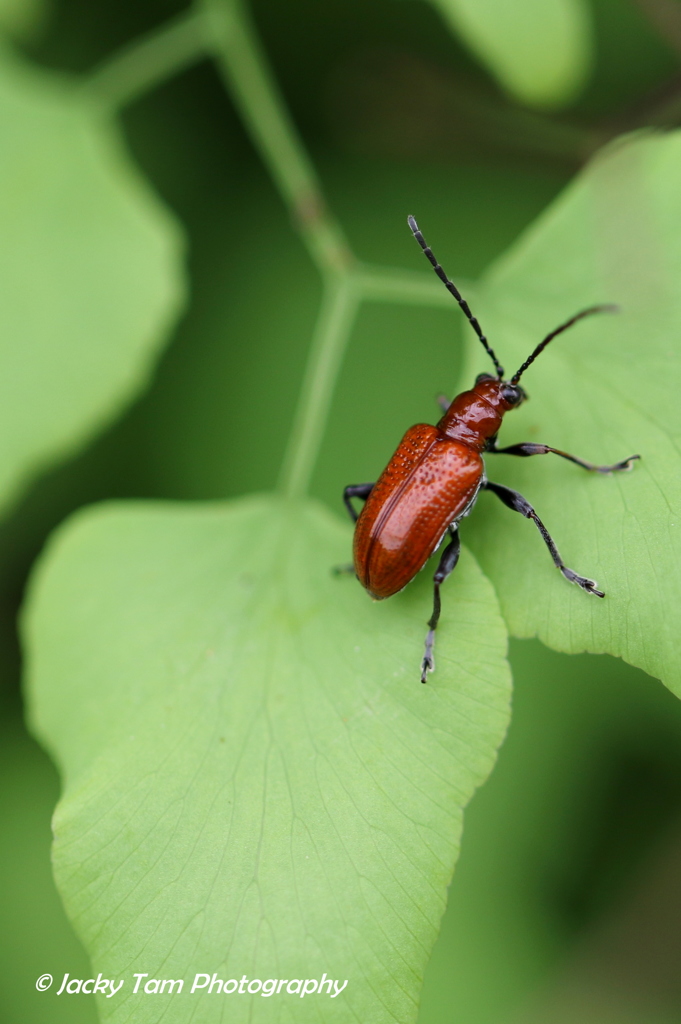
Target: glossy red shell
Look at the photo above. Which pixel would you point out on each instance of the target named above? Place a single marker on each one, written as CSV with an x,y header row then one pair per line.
x,y
426,485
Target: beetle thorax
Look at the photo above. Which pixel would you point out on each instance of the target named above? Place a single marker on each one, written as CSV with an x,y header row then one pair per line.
x,y
475,416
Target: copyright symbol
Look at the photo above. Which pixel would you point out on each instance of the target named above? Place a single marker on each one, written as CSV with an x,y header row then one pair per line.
x,y
43,982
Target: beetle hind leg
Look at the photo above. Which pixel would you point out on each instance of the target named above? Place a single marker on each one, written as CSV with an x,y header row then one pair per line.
x,y
450,556
584,582
515,501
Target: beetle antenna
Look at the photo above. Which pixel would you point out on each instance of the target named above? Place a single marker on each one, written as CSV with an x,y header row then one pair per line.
x,y
451,287
559,330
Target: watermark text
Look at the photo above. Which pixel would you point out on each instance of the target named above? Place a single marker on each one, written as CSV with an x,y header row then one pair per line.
x,y
201,984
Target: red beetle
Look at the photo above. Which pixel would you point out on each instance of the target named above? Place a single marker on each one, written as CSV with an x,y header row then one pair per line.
x,y
434,478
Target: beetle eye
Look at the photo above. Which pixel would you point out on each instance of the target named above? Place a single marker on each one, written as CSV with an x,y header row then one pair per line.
x,y
484,376
512,394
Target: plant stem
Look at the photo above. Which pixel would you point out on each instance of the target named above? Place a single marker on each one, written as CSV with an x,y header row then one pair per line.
x,y
149,61
246,73
334,324
343,294
221,29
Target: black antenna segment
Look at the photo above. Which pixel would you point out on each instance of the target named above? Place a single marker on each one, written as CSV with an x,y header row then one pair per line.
x,y
451,287
559,330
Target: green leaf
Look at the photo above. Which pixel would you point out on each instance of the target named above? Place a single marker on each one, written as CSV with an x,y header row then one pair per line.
x,y
539,50
607,389
89,270
256,781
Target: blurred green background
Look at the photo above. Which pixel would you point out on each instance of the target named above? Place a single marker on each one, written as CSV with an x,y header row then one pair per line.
x,y
566,902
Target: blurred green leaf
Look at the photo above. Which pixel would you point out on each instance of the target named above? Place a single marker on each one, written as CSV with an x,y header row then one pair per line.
x,y
606,390
256,781
23,18
539,50
90,273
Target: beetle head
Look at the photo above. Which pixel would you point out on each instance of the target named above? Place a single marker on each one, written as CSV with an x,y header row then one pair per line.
x,y
498,391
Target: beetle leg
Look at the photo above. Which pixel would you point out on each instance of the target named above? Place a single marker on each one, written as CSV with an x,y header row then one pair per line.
x,y
356,491
450,556
516,502
443,402
527,449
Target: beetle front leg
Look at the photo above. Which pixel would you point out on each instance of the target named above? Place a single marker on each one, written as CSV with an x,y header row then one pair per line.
x,y
527,449
450,556
356,491
516,502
